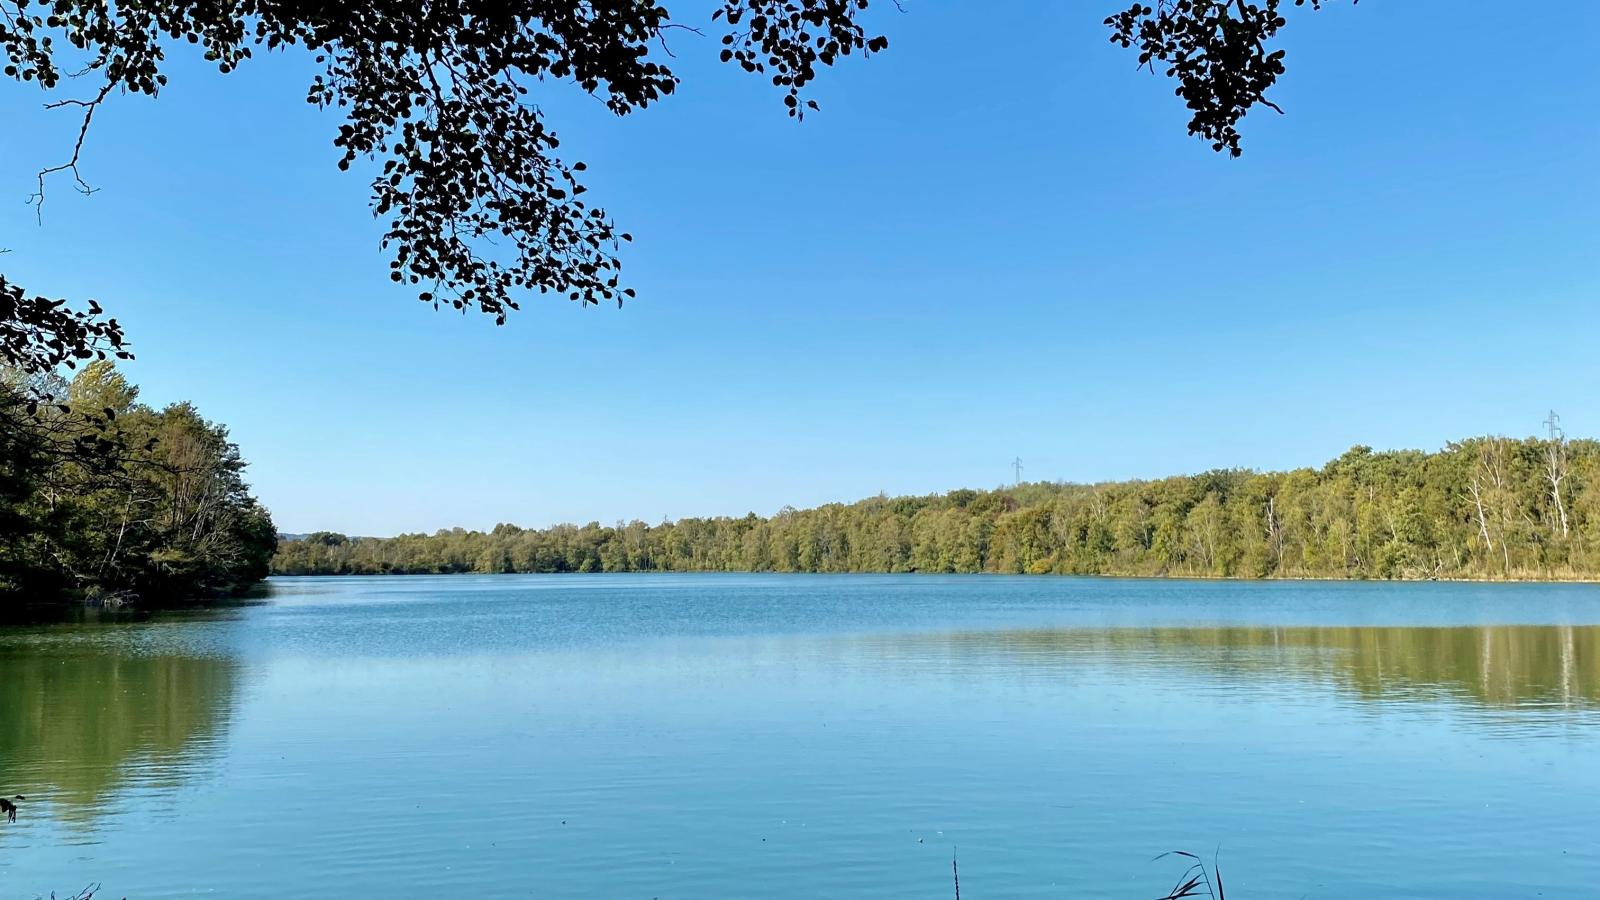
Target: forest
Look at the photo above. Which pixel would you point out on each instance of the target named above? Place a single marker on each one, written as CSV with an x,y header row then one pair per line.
x,y
1483,508
107,501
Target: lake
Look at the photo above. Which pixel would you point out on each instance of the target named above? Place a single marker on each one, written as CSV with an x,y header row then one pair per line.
x,y
667,737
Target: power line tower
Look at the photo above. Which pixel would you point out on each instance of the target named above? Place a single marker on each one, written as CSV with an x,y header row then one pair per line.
x,y
1553,423
1017,464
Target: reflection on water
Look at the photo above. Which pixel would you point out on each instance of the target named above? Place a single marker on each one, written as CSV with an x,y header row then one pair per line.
x,y
796,736
1508,667
88,711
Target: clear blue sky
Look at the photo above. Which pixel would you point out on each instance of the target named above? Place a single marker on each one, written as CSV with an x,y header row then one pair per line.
x,y
995,240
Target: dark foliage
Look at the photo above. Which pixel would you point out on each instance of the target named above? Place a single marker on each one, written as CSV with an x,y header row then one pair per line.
x,y
1217,50
478,205
40,335
479,208
791,38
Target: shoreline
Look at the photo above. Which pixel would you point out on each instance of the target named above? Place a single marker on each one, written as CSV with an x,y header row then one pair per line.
x,y
1046,575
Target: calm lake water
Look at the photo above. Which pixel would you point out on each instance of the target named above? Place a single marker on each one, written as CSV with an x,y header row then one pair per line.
x,y
659,738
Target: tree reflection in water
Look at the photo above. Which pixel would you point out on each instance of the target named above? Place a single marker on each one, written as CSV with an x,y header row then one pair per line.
x,y
1504,667
89,711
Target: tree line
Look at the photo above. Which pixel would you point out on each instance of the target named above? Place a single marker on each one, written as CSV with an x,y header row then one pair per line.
x,y
108,500
1488,507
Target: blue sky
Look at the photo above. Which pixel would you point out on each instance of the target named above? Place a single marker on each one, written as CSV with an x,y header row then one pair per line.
x,y
995,240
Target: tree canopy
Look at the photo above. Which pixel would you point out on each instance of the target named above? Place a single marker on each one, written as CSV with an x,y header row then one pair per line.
x,y
479,207
105,499
1487,507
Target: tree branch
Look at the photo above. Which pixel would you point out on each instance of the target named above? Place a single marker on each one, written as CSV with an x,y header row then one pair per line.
x,y
71,165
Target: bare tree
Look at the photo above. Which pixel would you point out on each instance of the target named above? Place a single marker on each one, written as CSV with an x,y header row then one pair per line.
x,y
1488,488
1483,521
1555,458
1274,529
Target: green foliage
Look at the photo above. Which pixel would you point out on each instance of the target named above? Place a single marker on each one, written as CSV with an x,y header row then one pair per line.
x,y
1483,508
103,498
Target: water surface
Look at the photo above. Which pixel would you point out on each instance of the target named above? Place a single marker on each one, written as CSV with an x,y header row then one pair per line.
x,y
661,737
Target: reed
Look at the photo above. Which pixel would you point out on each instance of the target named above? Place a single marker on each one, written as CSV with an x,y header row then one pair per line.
x,y
1196,879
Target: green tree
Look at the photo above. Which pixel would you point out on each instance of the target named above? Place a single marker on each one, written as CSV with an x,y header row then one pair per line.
x,y
123,501
1480,508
